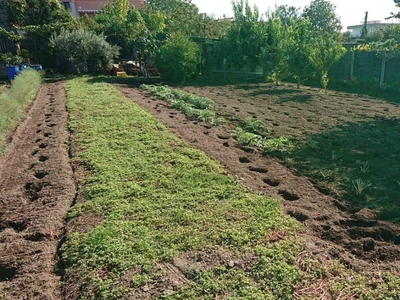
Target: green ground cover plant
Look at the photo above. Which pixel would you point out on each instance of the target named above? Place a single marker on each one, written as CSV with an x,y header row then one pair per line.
x,y
194,107
13,100
154,198
254,133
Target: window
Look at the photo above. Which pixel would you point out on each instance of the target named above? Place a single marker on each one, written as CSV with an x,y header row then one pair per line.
x,y
66,5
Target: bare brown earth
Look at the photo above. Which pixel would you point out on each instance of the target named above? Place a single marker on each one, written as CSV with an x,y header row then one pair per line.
x,y
358,239
36,191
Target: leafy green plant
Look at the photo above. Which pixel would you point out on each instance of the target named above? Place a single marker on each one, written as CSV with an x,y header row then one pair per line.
x,y
281,144
191,105
325,50
11,59
364,167
360,185
253,125
177,58
246,138
81,51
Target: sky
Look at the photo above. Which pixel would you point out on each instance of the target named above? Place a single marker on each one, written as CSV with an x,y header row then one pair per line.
x,y
351,12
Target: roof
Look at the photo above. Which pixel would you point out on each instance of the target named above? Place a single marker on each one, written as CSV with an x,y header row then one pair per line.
x,y
95,5
370,25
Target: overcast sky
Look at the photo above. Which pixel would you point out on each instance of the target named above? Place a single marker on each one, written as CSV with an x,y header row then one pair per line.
x,y
351,12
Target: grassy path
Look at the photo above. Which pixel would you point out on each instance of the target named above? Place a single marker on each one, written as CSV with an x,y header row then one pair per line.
x,y
155,200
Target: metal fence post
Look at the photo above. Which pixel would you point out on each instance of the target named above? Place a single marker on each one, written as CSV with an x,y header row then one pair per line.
x,y
382,81
353,53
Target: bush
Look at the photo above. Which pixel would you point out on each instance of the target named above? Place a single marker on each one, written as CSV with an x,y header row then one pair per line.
x,y
80,51
12,100
177,59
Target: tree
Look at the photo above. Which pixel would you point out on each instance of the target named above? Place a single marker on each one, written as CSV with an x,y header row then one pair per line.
x,y
181,15
395,15
246,38
287,13
37,12
178,58
276,51
322,16
324,51
81,51
299,36
38,19
120,23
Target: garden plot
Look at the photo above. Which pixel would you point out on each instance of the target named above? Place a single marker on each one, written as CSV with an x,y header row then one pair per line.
x,y
36,191
340,178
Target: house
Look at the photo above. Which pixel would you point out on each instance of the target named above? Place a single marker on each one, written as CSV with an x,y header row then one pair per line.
x,y
356,30
78,8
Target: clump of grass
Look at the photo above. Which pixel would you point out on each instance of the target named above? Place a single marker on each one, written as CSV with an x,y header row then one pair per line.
x,y
269,145
194,107
13,100
360,185
156,197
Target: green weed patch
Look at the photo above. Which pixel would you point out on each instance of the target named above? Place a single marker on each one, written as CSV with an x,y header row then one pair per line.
x,y
13,100
155,198
192,106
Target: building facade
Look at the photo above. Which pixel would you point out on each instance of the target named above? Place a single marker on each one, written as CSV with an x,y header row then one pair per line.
x,y
356,30
79,8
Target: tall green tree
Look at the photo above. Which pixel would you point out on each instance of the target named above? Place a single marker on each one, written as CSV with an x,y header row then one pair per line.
x,y
322,16
37,12
287,13
246,39
38,19
298,38
276,52
183,16
120,23
177,58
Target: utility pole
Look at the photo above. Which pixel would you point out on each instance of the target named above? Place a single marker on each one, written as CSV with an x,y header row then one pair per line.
x,y
364,31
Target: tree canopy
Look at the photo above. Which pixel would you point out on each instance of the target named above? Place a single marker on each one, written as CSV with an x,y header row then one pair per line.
x,y
322,16
36,12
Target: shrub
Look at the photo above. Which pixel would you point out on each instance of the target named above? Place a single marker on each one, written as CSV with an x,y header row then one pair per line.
x,y
12,100
177,59
80,51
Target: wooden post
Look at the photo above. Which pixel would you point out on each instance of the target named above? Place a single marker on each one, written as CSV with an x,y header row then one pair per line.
x,y
382,81
353,54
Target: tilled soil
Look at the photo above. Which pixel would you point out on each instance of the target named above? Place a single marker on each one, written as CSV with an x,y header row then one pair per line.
x,y
36,191
358,239
37,188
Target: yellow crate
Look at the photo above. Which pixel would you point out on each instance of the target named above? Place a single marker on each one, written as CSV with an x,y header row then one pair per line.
x,y
121,74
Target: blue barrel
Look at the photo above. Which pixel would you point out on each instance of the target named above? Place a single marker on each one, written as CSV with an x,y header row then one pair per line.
x,y
12,71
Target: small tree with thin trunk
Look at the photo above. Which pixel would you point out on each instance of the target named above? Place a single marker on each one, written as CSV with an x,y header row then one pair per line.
x,y
299,33
324,51
276,52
